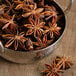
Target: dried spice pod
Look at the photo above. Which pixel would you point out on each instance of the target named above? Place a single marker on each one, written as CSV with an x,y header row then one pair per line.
x,y
9,7
35,27
25,5
17,39
52,70
33,12
50,12
42,43
8,21
64,62
20,5
52,29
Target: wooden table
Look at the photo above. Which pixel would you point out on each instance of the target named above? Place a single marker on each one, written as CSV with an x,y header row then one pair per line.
x,y
67,48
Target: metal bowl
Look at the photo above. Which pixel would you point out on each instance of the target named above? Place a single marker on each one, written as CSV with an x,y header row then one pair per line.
x,y
31,57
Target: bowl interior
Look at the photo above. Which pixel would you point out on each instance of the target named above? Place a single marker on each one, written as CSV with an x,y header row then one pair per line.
x,y
61,18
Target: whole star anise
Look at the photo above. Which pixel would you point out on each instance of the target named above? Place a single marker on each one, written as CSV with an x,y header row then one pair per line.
x,y
35,27
25,5
32,11
52,29
42,43
9,7
18,40
8,21
52,70
50,12
64,62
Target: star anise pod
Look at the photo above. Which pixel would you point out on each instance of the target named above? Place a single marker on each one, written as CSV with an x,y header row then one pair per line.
x,y
35,27
50,12
9,6
64,62
21,5
33,11
52,29
42,43
52,70
25,5
8,21
18,40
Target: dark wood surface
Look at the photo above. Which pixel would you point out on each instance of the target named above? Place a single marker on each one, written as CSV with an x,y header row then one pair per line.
x,y
67,48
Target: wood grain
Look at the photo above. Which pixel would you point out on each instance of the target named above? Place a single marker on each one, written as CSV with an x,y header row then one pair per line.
x,y
67,48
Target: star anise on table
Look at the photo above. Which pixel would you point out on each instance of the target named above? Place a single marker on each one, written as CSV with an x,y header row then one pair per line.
x,y
18,40
52,70
50,12
35,26
42,43
64,62
52,29
8,21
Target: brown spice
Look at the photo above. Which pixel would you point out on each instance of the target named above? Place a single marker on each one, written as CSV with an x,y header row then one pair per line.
x,y
17,39
64,62
8,21
42,43
35,27
52,29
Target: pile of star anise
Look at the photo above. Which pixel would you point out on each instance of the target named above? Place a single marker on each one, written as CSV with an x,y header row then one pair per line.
x,y
28,25
59,65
